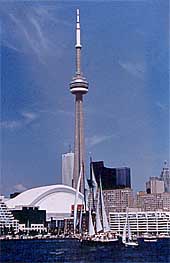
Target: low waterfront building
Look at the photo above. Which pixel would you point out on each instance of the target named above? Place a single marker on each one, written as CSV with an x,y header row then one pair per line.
x,y
7,220
30,218
32,228
141,222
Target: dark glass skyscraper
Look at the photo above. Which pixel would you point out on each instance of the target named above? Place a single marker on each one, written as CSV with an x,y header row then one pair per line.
x,y
112,178
123,177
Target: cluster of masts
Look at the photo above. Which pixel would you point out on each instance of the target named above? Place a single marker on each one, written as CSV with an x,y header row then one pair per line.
x,y
100,225
98,229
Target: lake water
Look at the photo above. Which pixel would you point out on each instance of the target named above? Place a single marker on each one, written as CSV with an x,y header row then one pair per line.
x,y
35,251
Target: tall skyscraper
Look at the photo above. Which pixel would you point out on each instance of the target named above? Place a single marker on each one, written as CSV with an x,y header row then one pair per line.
x,y
67,168
165,176
78,87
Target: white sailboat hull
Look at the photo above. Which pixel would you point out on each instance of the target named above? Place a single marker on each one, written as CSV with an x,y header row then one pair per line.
x,y
131,244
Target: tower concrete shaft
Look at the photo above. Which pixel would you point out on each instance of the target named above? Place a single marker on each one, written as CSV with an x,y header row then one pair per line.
x,y
79,148
78,87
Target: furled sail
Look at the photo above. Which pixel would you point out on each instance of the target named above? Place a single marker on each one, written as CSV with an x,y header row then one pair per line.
x,y
76,199
98,221
91,227
80,221
94,183
106,226
86,192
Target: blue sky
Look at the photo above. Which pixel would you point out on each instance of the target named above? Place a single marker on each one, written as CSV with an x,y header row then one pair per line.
x,y
124,58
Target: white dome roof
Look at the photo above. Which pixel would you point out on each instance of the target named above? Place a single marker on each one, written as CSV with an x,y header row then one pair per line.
x,y
55,199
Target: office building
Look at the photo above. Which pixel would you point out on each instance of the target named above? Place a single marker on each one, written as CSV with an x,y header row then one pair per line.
x,y
117,200
67,168
165,176
112,178
141,222
153,202
78,87
155,186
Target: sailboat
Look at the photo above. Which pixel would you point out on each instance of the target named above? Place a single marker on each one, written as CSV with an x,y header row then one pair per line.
x,y
101,232
128,241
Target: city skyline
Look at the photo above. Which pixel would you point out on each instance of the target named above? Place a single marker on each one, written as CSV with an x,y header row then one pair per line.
x,y
125,51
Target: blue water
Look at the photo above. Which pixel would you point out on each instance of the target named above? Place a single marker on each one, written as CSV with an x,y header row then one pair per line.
x,y
72,251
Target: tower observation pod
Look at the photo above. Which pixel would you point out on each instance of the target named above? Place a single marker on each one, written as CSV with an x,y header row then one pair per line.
x,y
78,87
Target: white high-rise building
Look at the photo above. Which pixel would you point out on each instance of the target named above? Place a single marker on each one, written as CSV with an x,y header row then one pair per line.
x,y
67,168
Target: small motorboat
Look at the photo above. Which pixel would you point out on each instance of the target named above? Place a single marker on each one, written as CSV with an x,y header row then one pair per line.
x,y
149,238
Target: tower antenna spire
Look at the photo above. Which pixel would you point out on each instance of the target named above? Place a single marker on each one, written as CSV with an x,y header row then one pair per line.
x,y
78,45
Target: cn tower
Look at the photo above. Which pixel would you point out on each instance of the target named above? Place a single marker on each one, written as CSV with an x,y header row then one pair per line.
x,y
78,87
